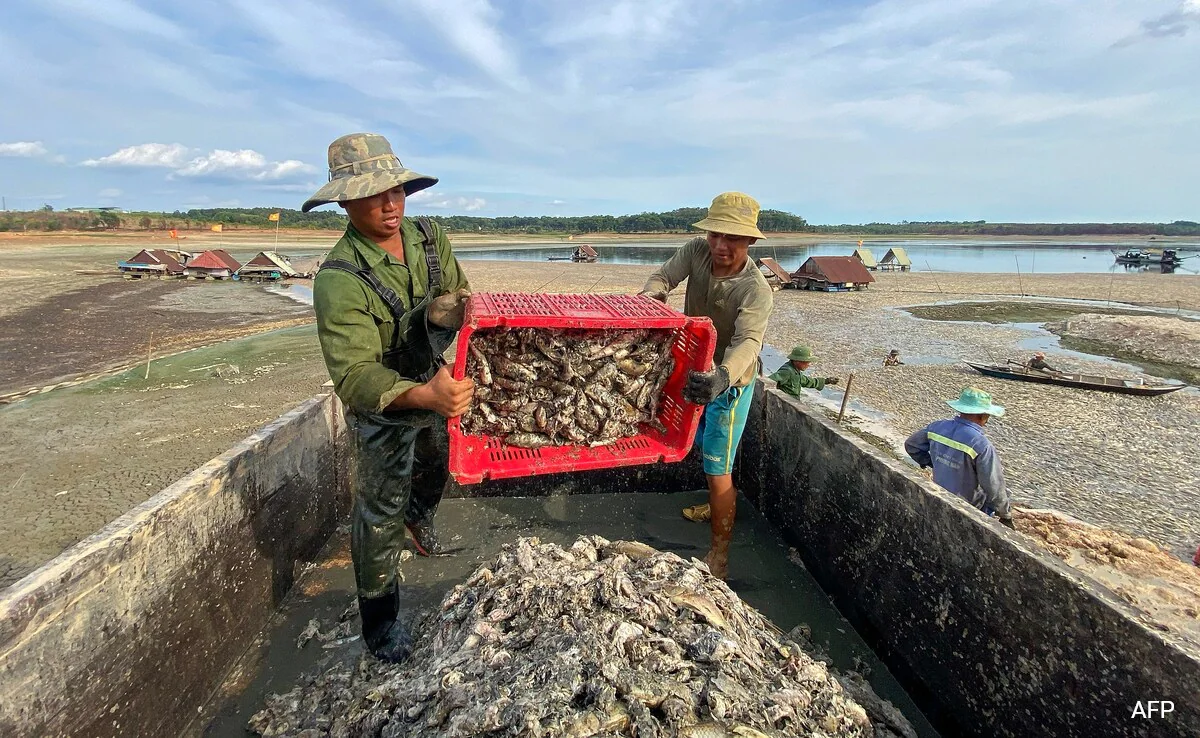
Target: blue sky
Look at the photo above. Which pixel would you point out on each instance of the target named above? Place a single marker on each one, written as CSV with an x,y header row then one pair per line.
x,y
838,111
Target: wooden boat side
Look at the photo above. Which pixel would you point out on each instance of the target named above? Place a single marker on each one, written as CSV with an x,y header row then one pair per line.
x,y
1080,381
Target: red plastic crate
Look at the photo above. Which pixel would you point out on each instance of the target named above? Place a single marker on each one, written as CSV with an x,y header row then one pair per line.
x,y
476,458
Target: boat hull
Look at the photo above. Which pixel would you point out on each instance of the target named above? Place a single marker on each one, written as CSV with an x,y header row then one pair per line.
x,y
1079,381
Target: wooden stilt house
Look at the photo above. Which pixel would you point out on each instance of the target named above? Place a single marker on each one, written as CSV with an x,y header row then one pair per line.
x,y
896,259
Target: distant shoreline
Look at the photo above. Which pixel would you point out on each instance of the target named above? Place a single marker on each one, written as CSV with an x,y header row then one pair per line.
x,y
291,238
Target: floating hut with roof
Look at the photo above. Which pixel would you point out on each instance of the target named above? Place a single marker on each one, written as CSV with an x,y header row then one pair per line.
x,y
214,263
832,274
896,259
865,256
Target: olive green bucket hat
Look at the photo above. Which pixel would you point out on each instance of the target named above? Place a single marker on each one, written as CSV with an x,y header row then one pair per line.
x,y
362,165
976,402
734,213
801,353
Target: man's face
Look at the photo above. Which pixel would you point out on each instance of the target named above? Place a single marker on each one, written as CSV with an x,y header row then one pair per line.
x,y
728,251
377,217
801,365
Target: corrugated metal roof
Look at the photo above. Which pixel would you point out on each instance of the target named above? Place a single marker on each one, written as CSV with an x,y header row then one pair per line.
x,y
157,257
866,257
775,269
586,250
215,259
269,261
837,269
899,255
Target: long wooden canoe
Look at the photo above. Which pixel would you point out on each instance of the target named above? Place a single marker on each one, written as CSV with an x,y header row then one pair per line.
x,y
1081,381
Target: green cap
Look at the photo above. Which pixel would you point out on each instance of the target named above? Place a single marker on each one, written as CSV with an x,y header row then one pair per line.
x,y
974,401
801,353
362,165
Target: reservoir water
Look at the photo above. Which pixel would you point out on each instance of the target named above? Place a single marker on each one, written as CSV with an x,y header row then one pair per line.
x,y
940,255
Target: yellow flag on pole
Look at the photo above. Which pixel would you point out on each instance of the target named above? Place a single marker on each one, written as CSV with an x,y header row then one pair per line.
x,y
216,228
273,217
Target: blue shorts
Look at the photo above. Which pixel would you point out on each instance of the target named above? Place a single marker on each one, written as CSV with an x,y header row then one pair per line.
x,y
721,428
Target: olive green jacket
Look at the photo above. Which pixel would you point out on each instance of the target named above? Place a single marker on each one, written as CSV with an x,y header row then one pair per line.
x,y
791,380
354,324
739,305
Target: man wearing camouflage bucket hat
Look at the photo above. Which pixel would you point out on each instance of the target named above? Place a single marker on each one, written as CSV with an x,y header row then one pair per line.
x,y
725,285
389,300
963,459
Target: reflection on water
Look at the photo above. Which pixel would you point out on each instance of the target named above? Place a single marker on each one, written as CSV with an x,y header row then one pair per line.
x,y
926,255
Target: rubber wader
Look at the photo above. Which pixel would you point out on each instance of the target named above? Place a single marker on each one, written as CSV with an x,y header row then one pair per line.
x,y
401,460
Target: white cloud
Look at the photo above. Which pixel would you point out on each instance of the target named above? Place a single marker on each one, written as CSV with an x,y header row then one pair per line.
x,y
428,199
169,156
22,148
470,26
246,164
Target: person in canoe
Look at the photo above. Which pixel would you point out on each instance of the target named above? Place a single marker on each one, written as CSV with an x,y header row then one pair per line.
x,y
1038,363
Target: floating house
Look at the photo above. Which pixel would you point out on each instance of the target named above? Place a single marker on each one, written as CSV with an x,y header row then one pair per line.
x,y
866,257
306,267
214,263
896,259
156,263
776,275
832,274
585,254
267,266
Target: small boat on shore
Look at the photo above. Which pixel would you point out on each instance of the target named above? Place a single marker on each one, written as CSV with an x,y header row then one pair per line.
x,y
1021,373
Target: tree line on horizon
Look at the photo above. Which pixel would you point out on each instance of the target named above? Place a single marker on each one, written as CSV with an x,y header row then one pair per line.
x,y
672,221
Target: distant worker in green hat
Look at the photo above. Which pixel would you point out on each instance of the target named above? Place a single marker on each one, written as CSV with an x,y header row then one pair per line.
x,y
389,300
791,377
963,459
725,285
893,358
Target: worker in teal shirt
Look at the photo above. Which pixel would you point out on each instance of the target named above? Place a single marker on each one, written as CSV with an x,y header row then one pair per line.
x,y
963,459
791,377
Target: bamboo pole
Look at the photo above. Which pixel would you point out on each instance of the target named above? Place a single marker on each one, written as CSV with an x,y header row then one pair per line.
x,y
845,396
149,353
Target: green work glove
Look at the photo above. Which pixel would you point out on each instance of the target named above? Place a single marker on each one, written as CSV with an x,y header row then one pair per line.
x,y
703,387
831,380
660,295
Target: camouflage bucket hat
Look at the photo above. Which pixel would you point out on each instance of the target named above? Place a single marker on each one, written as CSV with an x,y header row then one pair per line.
x,y
734,213
362,165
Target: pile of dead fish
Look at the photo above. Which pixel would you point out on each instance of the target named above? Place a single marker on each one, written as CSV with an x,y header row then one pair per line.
x,y
547,387
601,639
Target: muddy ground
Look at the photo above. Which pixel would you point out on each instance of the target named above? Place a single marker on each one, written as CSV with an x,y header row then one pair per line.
x,y
74,459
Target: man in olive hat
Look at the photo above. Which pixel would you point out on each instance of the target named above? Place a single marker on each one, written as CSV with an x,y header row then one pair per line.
x,y
389,300
791,377
963,459
893,358
723,284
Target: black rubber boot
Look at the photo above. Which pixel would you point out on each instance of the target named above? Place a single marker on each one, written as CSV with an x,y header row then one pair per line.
x,y
386,636
425,538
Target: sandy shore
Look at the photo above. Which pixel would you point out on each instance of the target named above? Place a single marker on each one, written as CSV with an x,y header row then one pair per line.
x,y
77,458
